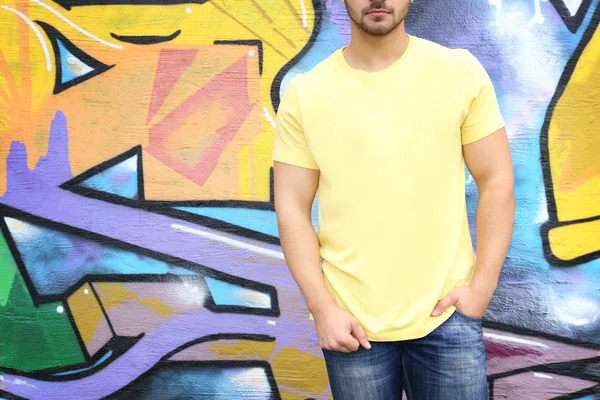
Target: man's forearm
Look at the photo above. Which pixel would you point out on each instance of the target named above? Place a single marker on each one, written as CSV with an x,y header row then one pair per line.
x,y
494,228
301,248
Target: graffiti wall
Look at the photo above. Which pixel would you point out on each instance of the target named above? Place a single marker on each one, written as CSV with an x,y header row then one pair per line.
x,y
139,253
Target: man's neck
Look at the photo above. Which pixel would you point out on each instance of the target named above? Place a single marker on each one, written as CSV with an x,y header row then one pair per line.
x,y
375,53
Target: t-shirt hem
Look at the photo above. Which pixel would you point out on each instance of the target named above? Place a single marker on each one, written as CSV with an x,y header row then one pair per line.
x,y
409,334
295,161
490,129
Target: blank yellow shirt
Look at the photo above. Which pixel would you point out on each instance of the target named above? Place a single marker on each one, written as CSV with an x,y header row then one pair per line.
x,y
393,231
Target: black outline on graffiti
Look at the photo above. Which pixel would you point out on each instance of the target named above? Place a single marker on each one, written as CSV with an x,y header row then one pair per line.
x,y
147,39
131,388
103,309
75,184
572,369
168,207
517,330
593,391
97,67
214,338
6,211
217,224
545,154
569,368
166,361
119,345
68,4
276,86
573,22
9,396
256,43
32,289
69,313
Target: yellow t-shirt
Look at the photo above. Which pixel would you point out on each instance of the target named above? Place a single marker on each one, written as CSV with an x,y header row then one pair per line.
x,y
393,231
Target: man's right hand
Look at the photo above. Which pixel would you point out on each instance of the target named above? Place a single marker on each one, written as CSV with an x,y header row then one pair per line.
x,y
338,330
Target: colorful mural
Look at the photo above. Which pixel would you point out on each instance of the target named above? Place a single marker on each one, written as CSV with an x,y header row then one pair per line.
x,y
139,252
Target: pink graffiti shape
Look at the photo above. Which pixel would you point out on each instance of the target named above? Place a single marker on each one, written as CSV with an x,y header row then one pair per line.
x,y
230,89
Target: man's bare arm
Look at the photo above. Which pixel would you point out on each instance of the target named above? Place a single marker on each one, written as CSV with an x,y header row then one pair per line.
x,y
490,164
295,190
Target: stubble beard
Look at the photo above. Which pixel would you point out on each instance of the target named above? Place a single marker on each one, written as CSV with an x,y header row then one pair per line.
x,y
376,29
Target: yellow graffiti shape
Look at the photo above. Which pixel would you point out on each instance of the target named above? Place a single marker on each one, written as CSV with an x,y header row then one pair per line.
x,y
89,319
191,83
574,159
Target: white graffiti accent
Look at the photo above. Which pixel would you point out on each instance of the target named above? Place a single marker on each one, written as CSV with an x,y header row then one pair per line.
x,y
233,242
537,19
37,33
572,5
506,338
86,33
304,19
269,117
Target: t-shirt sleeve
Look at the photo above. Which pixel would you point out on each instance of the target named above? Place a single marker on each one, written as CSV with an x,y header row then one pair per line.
x,y
290,145
483,116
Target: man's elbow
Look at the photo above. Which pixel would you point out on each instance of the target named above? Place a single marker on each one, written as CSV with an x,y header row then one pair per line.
x,y
500,185
290,212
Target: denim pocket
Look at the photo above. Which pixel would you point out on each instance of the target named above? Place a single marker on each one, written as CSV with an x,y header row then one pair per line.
x,y
462,314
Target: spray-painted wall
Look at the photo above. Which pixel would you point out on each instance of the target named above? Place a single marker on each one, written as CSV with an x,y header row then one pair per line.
x,y
139,255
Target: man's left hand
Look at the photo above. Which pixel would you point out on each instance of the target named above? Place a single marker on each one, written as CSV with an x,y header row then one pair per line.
x,y
467,299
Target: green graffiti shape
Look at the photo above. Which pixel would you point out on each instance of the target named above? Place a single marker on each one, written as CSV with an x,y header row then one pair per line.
x,y
33,338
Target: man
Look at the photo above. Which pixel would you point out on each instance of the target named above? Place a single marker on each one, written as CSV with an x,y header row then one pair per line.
x,y
383,128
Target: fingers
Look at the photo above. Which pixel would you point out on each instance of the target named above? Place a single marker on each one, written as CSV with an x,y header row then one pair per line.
x,y
345,345
345,349
360,335
344,334
349,342
443,304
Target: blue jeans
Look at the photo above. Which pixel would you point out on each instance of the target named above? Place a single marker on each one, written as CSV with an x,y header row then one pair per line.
x,y
449,363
